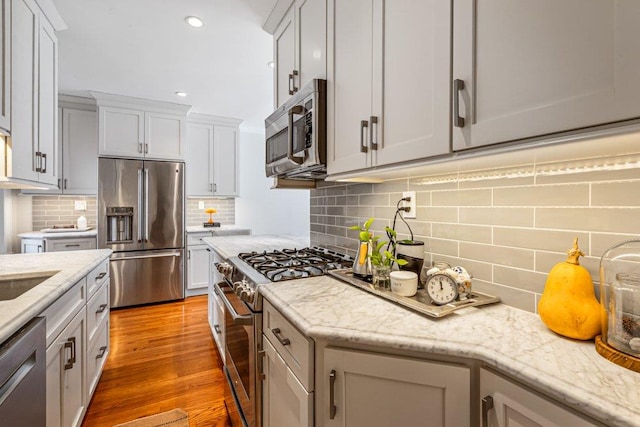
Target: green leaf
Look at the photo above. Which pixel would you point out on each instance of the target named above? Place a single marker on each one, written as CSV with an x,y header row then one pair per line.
x,y
368,223
402,262
390,231
365,236
355,227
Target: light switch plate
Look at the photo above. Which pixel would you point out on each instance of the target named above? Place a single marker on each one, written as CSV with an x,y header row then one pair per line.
x,y
201,204
80,205
411,204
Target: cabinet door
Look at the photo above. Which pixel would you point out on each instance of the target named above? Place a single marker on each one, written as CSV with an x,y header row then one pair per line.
x,y
349,74
32,246
71,244
199,168
98,350
225,161
284,58
79,151
411,80
367,389
311,40
217,325
164,136
537,67
505,403
24,89
48,105
65,375
198,267
5,65
285,400
120,132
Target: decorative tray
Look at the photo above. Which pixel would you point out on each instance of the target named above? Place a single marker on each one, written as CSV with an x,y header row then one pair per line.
x,y
420,302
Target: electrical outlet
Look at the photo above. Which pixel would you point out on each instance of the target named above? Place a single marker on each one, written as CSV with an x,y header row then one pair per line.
x,y
411,205
80,205
200,204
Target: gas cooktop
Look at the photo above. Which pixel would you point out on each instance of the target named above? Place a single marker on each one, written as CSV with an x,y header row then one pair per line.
x,y
288,264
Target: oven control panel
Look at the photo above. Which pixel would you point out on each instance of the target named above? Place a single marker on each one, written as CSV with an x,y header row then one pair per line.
x,y
244,291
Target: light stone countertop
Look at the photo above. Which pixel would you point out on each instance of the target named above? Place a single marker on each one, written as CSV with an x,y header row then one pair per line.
x,y
58,234
223,230
72,266
230,246
510,340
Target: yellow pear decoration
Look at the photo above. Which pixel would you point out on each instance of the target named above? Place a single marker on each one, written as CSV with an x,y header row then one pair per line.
x,y
568,305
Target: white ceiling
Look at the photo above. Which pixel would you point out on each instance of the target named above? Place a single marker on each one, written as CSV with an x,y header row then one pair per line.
x,y
144,48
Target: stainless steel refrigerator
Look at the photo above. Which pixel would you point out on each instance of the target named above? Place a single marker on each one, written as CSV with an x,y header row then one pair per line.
x,y
141,218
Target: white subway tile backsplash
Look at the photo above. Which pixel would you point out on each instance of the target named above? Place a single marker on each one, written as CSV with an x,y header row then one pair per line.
x,y
530,238
544,195
616,194
516,217
502,255
617,220
480,197
463,233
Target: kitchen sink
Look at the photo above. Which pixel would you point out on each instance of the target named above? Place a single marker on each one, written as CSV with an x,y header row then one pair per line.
x,y
14,285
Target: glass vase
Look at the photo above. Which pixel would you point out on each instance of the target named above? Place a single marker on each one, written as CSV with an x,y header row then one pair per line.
x,y
381,276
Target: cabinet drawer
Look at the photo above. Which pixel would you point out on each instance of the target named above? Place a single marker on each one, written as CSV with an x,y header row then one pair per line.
x,y
97,277
97,355
295,348
97,309
196,238
61,245
60,313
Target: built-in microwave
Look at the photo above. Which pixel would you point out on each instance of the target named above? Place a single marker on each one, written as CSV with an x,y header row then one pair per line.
x,y
296,135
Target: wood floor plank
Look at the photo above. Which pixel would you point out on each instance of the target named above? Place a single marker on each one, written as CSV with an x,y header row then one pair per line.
x,y
162,357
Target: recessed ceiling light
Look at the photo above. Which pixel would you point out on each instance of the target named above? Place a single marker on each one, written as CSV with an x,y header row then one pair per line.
x,y
182,94
194,21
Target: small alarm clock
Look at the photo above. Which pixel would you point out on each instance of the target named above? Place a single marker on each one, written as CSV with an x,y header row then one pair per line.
x,y
445,284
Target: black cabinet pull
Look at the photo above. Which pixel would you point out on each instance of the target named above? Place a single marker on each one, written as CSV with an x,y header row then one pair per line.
x,y
103,349
70,344
283,341
458,85
487,405
332,396
101,308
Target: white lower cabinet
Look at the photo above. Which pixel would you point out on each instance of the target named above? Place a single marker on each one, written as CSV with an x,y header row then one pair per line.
x,y
286,402
36,245
197,263
77,347
368,389
66,397
505,403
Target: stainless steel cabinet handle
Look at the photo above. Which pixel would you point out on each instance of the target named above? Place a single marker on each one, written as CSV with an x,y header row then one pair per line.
x,y
217,329
211,187
373,143
102,308
215,188
103,349
140,147
283,341
295,74
44,160
59,183
146,148
38,160
189,254
458,85
363,131
332,395
292,83
70,344
487,405
100,276
65,183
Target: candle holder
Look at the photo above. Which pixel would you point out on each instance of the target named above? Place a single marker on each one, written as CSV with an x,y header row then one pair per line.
x,y
210,222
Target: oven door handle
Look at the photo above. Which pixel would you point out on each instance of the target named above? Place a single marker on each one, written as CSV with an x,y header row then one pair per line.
x,y
237,318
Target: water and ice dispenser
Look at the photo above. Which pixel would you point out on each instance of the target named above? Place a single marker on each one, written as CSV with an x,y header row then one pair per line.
x,y
119,224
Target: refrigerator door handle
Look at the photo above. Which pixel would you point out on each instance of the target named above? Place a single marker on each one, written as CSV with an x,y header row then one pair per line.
x,y
177,255
146,204
139,205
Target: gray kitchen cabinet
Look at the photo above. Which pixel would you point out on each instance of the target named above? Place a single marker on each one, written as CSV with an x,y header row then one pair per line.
x,y
78,131
388,97
77,346
58,244
506,403
299,48
533,68
5,66
34,96
369,389
212,156
138,128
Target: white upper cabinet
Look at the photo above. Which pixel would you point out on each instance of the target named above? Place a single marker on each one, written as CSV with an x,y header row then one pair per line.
x,y
34,94
5,66
79,152
140,128
388,71
532,68
212,156
299,47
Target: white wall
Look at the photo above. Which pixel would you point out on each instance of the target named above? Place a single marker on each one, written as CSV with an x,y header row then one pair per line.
x,y
260,208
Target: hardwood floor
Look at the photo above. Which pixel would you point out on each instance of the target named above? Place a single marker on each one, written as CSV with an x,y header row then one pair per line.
x,y
162,357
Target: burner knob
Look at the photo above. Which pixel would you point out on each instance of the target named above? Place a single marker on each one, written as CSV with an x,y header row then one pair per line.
x,y
251,296
244,295
237,286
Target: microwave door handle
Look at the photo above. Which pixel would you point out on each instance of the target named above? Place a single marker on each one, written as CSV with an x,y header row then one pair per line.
x,y
296,109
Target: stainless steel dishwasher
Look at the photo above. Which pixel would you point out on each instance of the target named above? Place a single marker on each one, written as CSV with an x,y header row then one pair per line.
x,y
23,376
